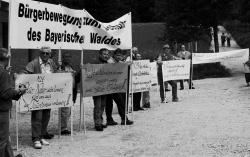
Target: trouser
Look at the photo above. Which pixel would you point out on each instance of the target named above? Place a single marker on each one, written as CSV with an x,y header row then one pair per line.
x,y
5,146
182,83
136,100
39,123
174,90
65,114
145,97
99,105
120,100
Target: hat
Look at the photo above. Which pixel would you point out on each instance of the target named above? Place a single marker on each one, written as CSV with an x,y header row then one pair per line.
x,y
4,54
45,49
166,46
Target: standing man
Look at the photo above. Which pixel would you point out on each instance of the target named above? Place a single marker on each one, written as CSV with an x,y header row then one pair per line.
x,y
185,55
119,98
166,56
100,100
40,118
7,94
137,96
65,111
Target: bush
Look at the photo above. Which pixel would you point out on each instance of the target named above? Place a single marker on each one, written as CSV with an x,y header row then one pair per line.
x,y
210,70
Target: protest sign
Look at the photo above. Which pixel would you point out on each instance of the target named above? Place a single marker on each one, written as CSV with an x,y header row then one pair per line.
x,y
45,91
153,73
229,56
100,79
141,76
34,24
176,70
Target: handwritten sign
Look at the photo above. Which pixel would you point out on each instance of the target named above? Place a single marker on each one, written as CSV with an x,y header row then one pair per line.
x,y
153,73
141,76
45,91
176,70
100,79
231,56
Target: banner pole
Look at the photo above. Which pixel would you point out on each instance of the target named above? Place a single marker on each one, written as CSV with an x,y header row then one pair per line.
x,y
82,110
71,121
131,79
59,109
191,68
17,132
164,92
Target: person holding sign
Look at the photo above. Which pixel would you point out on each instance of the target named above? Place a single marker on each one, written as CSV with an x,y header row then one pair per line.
x,y
137,95
40,118
183,54
119,98
65,111
166,56
7,94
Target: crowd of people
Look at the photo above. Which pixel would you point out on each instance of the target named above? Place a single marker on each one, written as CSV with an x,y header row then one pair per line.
x,y
44,64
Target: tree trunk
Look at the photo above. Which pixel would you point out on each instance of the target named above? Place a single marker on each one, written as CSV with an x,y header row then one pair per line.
x,y
216,41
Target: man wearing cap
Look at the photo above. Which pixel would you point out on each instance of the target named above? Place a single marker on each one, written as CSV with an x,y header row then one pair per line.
x,y
7,94
166,56
40,118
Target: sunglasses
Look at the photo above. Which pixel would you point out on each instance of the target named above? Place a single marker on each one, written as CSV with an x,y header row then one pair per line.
x,y
45,53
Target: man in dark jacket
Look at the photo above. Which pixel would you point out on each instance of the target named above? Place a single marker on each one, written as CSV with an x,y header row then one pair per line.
x,y
7,94
166,56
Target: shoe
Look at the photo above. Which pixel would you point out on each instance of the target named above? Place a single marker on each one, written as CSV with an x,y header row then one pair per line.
x,y
167,90
175,100
140,108
65,132
37,145
112,123
98,128
48,136
19,155
128,122
104,126
193,88
135,109
146,105
181,88
44,142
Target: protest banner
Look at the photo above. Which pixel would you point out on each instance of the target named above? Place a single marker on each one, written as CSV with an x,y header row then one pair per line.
x,y
176,70
141,76
241,55
45,91
100,79
34,24
153,73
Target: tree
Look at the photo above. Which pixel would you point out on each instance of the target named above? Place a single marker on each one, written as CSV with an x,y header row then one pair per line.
x,y
187,20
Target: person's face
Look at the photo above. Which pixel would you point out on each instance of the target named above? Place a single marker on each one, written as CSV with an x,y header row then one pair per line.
x,y
105,55
166,50
45,55
67,59
183,48
138,56
118,57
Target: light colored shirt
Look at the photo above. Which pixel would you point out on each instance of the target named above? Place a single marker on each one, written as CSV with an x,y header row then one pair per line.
x,y
184,54
45,67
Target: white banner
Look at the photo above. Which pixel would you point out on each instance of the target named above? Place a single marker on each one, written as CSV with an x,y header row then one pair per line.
x,y
153,73
231,56
35,24
45,91
141,76
176,70
101,79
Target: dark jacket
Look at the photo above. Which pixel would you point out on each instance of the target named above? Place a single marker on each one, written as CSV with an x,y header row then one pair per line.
x,y
7,92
